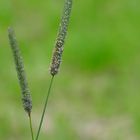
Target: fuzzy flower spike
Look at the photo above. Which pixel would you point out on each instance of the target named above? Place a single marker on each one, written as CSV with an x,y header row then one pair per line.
x,y
26,97
58,50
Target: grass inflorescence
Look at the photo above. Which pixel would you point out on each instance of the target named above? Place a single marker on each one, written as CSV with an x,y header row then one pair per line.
x,y
54,66
57,53
59,45
26,96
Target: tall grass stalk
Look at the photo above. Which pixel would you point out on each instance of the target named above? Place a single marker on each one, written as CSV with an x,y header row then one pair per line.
x,y
57,53
44,109
26,96
31,126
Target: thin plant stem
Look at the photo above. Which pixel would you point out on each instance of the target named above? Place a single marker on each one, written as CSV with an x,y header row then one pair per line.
x,y
31,127
44,109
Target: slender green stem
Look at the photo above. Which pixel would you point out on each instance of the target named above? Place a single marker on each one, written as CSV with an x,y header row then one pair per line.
x,y
31,128
44,109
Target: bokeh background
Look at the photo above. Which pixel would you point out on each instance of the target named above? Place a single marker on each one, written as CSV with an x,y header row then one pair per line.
x,y
96,95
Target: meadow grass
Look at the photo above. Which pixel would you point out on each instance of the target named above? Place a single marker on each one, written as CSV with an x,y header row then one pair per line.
x,y
100,87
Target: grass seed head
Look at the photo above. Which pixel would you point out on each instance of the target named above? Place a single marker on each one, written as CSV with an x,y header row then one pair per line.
x,y
26,97
58,50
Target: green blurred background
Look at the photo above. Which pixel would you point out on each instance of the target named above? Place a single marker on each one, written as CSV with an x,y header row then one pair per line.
x,y
96,94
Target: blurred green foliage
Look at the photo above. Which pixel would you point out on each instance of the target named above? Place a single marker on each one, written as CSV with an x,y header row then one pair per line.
x,y
96,94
